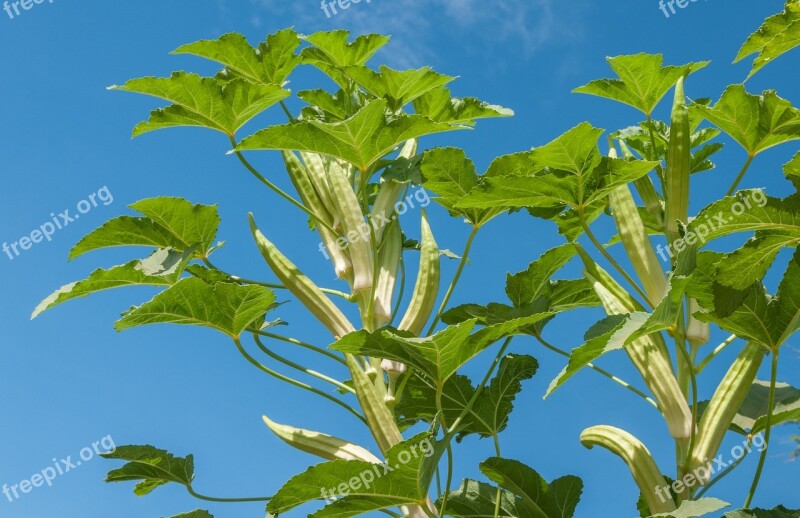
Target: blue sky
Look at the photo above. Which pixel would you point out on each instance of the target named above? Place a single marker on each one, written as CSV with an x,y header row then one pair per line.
x,y
69,380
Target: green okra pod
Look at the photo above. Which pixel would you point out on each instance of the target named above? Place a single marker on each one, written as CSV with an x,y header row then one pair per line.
x,y
644,469
320,444
302,287
725,403
379,417
679,164
388,264
426,289
388,194
644,186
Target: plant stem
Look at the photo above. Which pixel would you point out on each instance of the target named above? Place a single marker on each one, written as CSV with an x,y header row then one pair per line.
x,y
225,500
604,372
294,382
499,493
659,168
400,290
685,463
721,347
456,277
723,473
280,192
299,343
287,112
770,410
300,368
614,262
736,182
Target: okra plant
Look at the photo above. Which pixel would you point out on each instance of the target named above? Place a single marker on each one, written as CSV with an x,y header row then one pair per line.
x,y
353,152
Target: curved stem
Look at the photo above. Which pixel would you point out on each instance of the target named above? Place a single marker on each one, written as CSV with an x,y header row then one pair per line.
x,y
614,262
400,290
299,343
225,500
280,192
287,112
456,277
300,368
686,461
294,382
721,347
604,372
738,179
499,494
723,473
770,410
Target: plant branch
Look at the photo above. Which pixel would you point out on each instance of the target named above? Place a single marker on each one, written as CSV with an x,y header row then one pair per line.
x,y
225,500
721,347
299,343
738,179
770,410
456,277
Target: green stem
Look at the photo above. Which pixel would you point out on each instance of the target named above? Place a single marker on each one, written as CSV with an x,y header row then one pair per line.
x,y
225,500
456,277
736,182
300,368
614,262
287,112
721,347
659,168
604,372
686,461
280,192
499,494
294,382
400,290
770,410
299,343
723,473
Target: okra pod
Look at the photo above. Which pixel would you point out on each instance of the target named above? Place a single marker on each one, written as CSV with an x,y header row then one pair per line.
x,y
389,193
725,403
388,264
320,444
679,164
697,332
302,287
379,418
426,289
647,191
644,469
318,175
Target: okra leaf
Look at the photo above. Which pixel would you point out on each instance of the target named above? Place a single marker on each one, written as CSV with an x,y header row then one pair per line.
x,y
478,500
327,107
696,508
361,140
792,171
538,498
777,512
162,268
526,286
203,101
419,401
402,480
167,223
151,466
642,80
269,64
330,51
756,122
749,320
778,34
199,513
439,106
228,308
397,87
610,334
747,265
752,415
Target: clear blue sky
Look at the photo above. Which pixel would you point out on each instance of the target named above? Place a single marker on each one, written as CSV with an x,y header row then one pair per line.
x,y
68,379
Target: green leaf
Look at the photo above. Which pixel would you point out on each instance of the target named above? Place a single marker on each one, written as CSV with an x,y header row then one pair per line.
x,y
642,80
570,173
756,122
538,498
747,265
331,51
753,413
792,171
779,34
697,508
402,480
439,106
477,500
163,268
271,63
328,107
229,308
199,513
361,140
397,87
203,101
168,223
151,466
777,512
525,287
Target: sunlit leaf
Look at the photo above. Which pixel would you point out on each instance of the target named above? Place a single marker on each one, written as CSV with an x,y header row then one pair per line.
x,y
779,34
477,500
151,467
438,105
696,508
396,86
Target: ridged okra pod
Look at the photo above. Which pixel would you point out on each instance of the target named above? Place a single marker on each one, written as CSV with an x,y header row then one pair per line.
x,y
322,445
644,469
647,191
301,178
637,243
426,289
379,418
388,264
648,354
388,195
679,163
317,166
302,287
726,402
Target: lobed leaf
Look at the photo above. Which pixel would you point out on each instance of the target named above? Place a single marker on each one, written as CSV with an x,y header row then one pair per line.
x,y
151,466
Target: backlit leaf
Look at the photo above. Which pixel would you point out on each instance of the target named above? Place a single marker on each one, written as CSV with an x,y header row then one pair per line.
x,y
779,34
